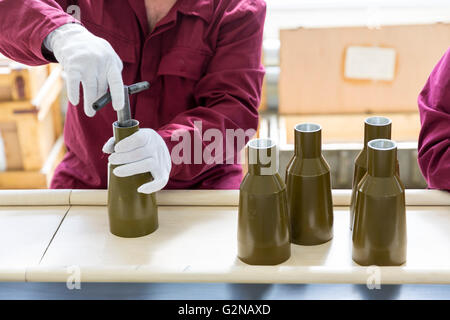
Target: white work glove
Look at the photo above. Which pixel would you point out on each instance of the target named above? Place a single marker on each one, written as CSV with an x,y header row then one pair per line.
x,y
143,151
90,60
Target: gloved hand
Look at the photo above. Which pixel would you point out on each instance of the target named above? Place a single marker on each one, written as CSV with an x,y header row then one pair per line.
x,y
90,60
143,151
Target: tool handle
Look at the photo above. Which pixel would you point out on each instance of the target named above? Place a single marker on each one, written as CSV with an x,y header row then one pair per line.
x,y
106,98
138,87
103,101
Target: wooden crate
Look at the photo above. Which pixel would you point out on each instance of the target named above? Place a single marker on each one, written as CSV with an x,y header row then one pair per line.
x,y
315,64
20,82
34,179
29,130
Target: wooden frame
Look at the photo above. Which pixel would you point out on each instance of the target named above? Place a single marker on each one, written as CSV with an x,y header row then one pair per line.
x,y
19,82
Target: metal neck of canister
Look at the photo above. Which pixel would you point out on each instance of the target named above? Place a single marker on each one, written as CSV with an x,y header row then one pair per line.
x,y
376,128
308,140
262,157
381,158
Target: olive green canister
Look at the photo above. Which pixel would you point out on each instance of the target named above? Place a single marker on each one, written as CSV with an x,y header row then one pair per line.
x,y
131,213
308,183
263,224
374,128
379,228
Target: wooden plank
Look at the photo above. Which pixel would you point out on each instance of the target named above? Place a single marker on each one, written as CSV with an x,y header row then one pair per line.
x,y
9,109
29,141
312,68
49,94
33,77
55,157
58,121
263,103
20,82
350,127
35,179
13,154
22,180
46,137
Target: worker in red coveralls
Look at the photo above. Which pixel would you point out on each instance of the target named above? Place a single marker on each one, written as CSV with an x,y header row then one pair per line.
x,y
434,139
201,57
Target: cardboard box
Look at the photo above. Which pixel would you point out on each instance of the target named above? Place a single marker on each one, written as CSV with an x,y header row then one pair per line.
x,y
356,69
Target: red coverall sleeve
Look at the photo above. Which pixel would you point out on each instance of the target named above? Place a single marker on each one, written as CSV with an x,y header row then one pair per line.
x,y
434,139
228,95
24,26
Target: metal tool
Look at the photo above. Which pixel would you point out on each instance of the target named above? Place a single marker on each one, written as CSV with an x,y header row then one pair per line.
x,y
123,115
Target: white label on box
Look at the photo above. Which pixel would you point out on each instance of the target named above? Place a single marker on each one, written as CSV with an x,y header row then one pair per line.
x,y
370,63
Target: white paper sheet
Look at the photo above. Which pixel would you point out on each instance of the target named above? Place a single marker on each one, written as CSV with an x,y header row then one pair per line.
x,y
370,63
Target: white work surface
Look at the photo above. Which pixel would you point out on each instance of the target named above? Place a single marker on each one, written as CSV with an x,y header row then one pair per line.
x,y
52,235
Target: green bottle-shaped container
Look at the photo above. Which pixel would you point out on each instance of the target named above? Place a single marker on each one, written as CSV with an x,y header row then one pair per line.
x,y
131,213
374,128
308,183
379,229
263,223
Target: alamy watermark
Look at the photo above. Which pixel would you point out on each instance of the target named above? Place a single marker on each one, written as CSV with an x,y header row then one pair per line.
x,y
73,281
222,146
374,279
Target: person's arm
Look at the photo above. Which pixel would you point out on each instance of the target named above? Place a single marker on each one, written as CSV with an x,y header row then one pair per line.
x,y
228,95
24,26
434,139
37,32
227,98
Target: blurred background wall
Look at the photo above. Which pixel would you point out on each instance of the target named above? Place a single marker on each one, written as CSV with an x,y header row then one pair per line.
x,y
305,46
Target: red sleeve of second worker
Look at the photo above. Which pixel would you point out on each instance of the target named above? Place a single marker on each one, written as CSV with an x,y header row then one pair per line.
x,y
434,139
24,26
228,95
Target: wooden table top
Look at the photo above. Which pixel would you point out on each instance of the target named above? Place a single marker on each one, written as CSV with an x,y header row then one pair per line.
x,y
49,235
